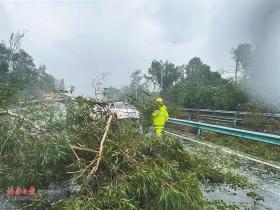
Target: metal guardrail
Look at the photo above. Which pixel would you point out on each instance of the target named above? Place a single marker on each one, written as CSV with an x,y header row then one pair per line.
x,y
255,136
223,116
229,112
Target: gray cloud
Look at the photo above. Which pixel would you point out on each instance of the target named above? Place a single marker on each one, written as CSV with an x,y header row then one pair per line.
x,y
78,40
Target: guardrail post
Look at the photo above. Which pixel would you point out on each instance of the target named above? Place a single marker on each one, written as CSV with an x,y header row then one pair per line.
x,y
189,115
198,132
235,119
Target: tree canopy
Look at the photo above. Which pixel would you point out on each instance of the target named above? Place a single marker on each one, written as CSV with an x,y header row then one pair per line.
x,y
194,85
19,76
244,57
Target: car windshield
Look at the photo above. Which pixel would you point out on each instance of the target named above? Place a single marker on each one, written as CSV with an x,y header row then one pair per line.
x,y
120,105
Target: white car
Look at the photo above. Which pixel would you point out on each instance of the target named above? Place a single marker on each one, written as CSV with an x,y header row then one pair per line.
x,y
124,111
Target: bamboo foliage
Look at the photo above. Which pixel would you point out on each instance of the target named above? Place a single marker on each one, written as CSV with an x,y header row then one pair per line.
x,y
99,153
138,171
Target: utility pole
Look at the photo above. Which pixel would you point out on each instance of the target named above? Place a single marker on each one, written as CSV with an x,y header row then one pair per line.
x,y
114,94
236,69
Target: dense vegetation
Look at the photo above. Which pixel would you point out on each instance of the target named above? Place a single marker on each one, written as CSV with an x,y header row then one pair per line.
x,y
195,85
20,78
136,172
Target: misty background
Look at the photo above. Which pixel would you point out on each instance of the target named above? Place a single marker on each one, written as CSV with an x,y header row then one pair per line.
x,y
79,40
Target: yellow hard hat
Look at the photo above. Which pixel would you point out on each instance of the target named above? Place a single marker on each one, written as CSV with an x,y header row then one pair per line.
x,y
159,99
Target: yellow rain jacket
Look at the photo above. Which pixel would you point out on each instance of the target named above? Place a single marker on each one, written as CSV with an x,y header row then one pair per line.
x,y
160,116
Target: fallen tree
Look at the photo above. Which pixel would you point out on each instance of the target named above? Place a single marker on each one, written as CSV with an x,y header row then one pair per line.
x,y
136,172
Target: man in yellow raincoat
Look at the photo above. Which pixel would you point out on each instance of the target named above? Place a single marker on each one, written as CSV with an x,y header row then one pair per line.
x,y
160,116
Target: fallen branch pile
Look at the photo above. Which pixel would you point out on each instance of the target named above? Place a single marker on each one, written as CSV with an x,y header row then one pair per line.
x,y
137,171
99,153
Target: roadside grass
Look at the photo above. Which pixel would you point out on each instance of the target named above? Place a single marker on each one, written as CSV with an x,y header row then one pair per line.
x,y
258,149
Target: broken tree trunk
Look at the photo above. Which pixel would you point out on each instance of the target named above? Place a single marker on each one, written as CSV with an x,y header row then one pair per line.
x,y
99,155
10,113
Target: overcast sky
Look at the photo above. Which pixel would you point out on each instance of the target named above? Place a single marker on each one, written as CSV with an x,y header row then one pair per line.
x,y
78,40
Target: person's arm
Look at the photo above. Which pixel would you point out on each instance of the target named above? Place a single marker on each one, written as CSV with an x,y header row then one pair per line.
x,y
155,113
166,116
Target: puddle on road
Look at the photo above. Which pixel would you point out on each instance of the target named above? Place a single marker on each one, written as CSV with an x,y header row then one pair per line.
x,y
266,195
